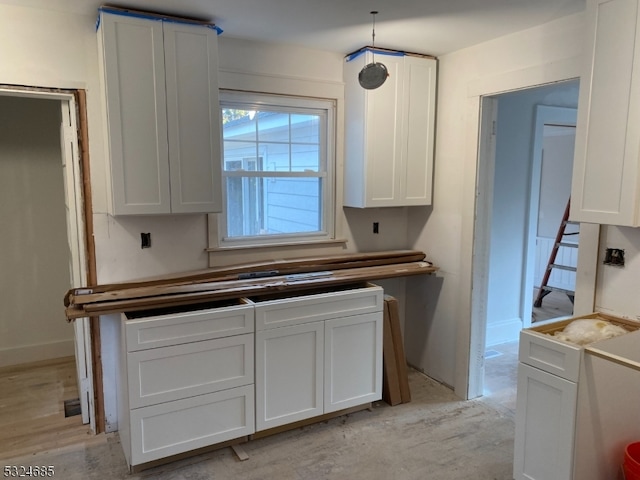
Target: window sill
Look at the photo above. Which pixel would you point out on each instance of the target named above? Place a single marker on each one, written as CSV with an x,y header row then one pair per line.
x,y
277,245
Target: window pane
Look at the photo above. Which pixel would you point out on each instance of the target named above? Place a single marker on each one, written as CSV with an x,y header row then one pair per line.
x,y
305,129
273,127
276,157
235,154
273,205
239,124
305,158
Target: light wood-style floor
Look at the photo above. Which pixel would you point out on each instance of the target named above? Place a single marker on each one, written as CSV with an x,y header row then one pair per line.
x,y
32,417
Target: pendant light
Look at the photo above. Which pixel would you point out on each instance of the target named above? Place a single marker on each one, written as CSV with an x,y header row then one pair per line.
x,y
374,74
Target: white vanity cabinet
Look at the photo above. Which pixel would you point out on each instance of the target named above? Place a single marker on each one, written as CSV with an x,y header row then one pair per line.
x,y
317,353
545,407
606,172
555,393
389,131
186,380
163,128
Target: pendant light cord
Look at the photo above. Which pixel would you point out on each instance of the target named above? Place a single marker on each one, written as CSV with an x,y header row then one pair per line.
x,y
373,38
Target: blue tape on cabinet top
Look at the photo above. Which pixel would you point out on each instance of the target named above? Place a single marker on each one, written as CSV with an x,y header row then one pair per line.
x,y
152,16
390,53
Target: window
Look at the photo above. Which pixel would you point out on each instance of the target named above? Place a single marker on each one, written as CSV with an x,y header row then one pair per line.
x,y
277,169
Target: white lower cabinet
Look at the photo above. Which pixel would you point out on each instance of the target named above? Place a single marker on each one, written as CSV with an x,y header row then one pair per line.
x,y
187,377
326,356
545,423
559,431
546,404
186,380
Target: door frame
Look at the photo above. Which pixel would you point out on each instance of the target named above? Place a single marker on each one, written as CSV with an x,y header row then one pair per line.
x,y
472,359
79,229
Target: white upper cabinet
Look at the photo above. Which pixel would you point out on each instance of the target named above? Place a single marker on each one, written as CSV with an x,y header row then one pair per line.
x,y
163,125
606,178
389,132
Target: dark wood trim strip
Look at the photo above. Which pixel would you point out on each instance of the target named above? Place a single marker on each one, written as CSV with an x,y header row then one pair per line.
x,y
90,249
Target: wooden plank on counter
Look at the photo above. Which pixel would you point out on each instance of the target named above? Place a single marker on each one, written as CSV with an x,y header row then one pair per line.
x,y
291,266
239,288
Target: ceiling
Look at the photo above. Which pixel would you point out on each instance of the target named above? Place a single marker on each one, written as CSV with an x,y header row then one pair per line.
x,y
434,27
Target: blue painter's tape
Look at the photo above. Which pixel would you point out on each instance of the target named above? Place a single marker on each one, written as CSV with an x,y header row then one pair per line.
x,y
151,16
362,51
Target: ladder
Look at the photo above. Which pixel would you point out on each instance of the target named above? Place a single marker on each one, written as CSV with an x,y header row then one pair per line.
x,y
546,289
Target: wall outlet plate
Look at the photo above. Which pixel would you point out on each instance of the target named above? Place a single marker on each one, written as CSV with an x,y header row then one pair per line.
x,y
614,256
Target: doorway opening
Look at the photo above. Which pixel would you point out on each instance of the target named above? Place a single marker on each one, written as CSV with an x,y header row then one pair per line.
x,y
524,184
45,252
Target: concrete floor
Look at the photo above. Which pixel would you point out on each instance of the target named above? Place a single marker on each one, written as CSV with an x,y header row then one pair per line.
x,y
436,436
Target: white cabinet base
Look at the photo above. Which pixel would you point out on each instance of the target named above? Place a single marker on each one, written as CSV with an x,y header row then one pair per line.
x,y
545,420
317,354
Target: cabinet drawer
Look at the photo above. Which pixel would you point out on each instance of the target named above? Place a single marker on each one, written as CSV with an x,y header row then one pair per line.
x,y
550,355
300,309
176,427
188,326
170,373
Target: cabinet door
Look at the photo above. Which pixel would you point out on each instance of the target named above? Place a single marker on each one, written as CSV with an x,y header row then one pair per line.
x,y
372,128
288,374
193,116
384,136
133,71
605,175
545,423
352,361
418,130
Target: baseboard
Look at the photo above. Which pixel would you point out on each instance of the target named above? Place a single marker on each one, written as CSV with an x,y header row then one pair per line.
x,y
36,353
503,331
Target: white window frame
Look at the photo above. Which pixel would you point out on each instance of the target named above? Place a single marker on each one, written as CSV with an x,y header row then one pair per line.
x,y
232,98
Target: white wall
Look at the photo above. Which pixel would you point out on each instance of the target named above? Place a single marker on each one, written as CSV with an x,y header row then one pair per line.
x,y
443,316
34,252
618,286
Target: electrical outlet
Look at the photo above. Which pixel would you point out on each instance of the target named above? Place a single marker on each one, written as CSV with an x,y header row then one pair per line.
x,y
145,240
614,256
376,228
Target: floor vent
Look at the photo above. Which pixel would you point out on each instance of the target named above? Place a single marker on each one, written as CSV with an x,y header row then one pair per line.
x,y
72,407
